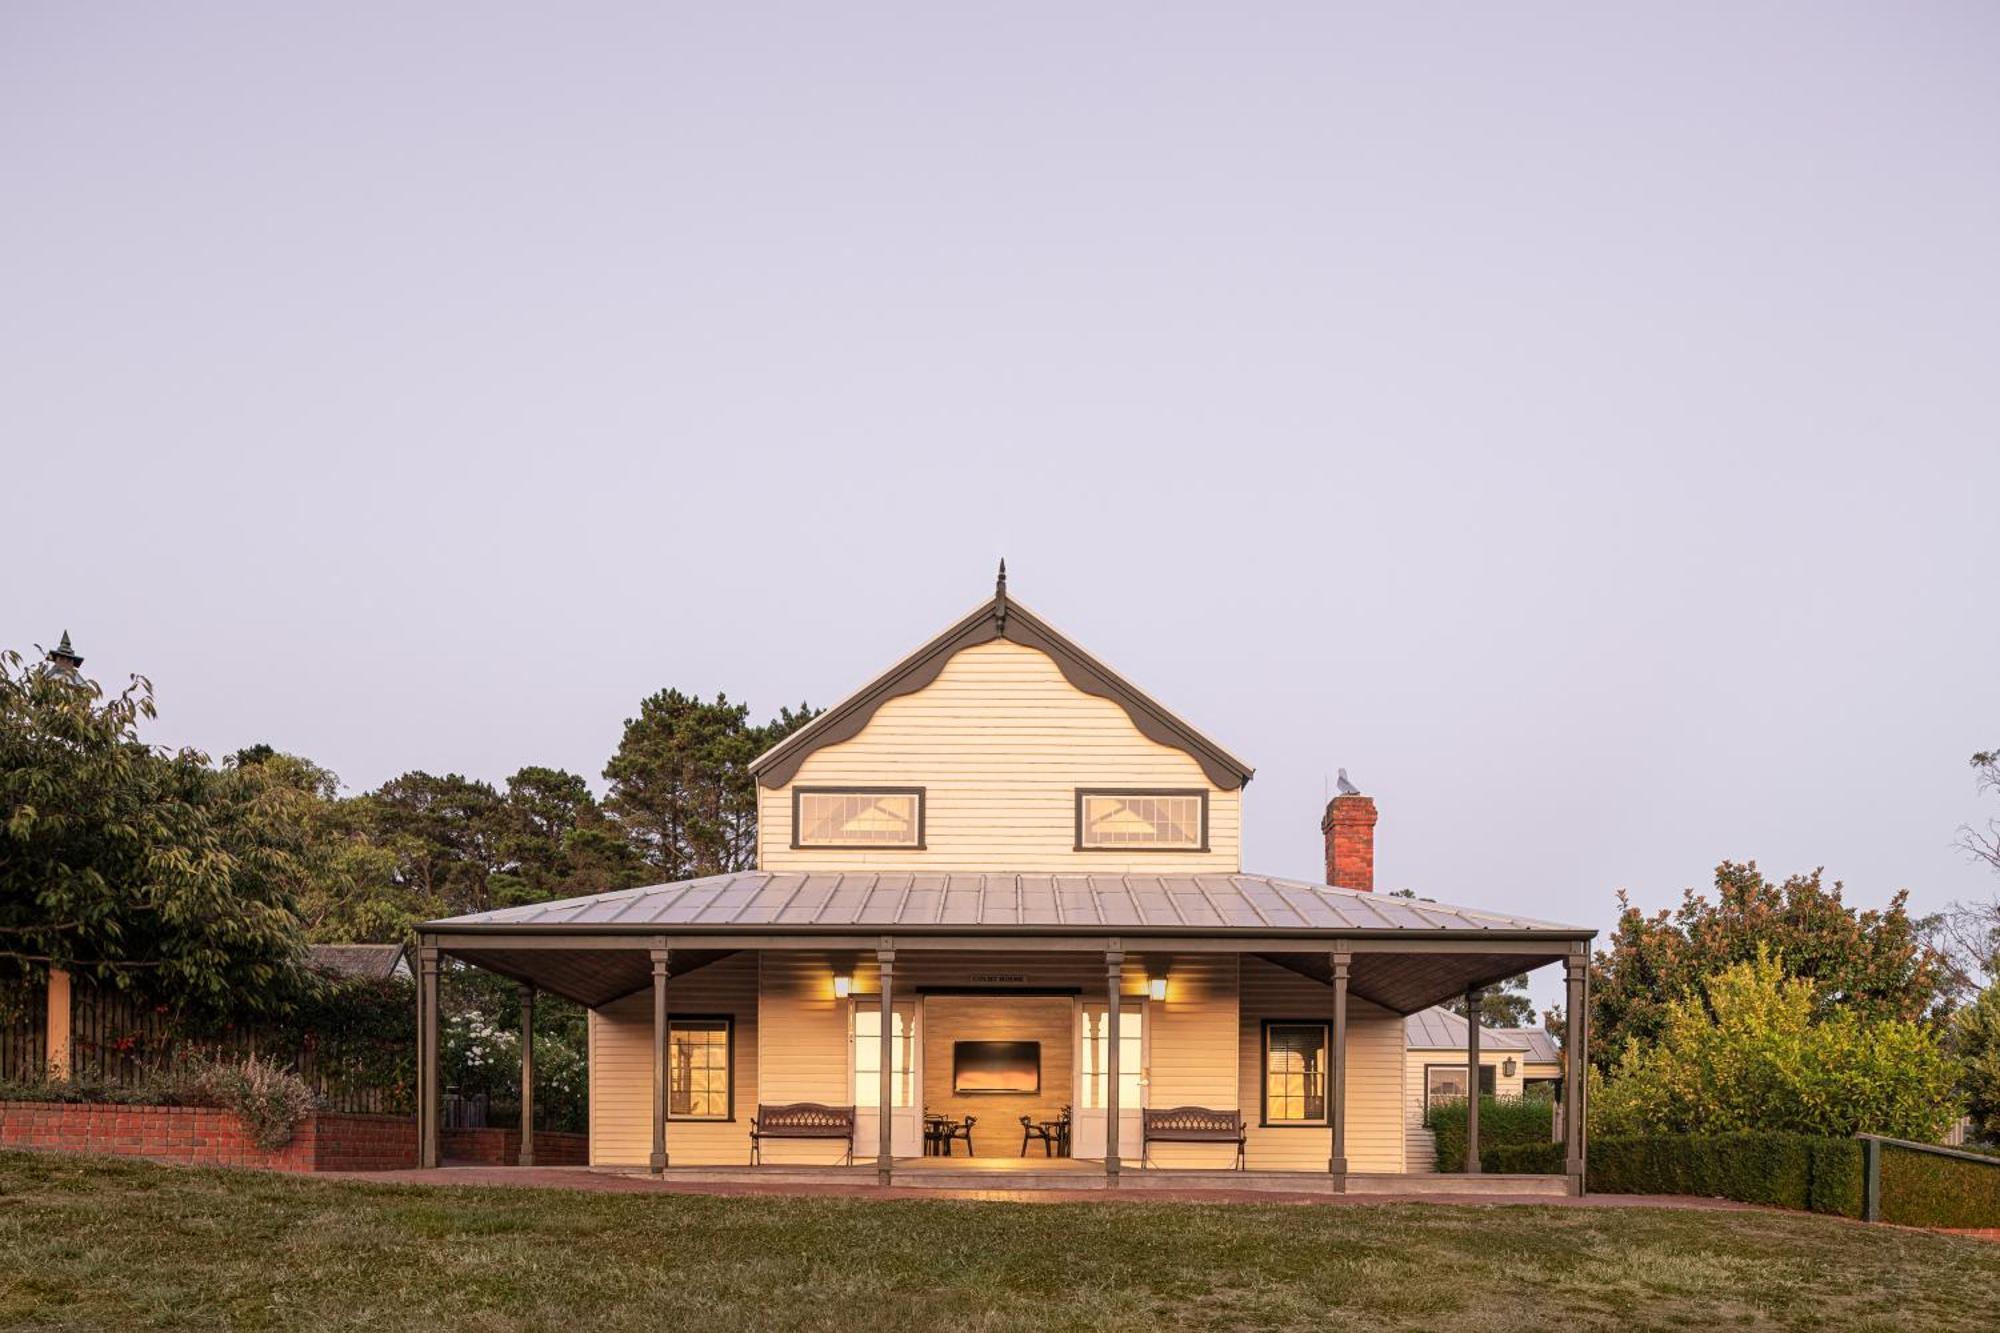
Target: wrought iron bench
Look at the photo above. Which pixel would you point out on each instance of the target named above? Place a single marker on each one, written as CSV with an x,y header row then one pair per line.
x,y
1190,1124
801,1120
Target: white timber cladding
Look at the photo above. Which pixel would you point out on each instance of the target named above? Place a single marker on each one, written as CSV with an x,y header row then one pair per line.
x,y
1421,1149
1000,742
1374,1076
621,1070
791,1045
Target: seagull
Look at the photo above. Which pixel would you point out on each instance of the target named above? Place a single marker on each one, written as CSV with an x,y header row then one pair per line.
x,y
1346,788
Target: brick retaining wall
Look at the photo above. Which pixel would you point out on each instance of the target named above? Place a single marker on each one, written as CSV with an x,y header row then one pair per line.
x,y
204,1136
502,1147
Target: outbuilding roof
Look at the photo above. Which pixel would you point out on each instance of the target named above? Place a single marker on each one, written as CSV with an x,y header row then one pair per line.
x,y
962,902
370,961
1439,1029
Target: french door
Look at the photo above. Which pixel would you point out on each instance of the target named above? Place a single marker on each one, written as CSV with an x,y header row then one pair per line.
x,y
906,1136
1093,1082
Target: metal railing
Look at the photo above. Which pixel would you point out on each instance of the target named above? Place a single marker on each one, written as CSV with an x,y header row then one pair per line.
x,y
1871,1167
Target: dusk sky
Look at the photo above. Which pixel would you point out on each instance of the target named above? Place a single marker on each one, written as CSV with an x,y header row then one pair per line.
x,y
1583,426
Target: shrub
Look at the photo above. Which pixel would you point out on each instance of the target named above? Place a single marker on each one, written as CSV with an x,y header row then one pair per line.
x,y
1780,1170
268,1098
1502,1121
1921,1189
1754,1059
1521,1159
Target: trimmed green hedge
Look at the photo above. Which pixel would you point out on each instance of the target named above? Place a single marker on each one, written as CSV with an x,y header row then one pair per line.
x,y
1503,1122
1780,1170
1817,1175
1521,1159
1921,1189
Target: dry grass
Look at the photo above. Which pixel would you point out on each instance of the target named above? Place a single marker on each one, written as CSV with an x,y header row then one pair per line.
x,y
92,1244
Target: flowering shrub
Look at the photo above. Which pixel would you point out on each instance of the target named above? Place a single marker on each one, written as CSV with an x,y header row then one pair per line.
x,y
268,1098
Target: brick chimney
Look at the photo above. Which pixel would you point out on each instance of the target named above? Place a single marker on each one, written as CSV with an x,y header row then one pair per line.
x,y
1349,827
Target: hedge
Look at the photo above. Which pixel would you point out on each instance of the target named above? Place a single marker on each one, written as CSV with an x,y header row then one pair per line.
x,y
1799,1171
1780,1170
1503,1121
1921,1189
1521,1159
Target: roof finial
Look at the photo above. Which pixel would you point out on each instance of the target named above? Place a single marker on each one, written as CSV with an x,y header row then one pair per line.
x,y
1000,599
65,657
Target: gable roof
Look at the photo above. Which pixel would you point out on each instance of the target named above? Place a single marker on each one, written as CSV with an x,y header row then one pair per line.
x,y
1439,1029
947,902
1001,617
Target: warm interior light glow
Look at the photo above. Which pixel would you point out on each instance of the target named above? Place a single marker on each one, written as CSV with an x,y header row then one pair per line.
x,y
1156,988
842,987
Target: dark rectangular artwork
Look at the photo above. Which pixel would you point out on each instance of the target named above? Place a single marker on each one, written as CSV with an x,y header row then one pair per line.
x,y
996,1066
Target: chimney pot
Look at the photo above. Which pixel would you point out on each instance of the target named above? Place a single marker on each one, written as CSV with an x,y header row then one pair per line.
x,y
1349,827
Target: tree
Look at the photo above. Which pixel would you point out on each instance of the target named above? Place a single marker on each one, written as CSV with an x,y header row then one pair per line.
x,y
1871,963
556,842
445,833
134,866
1975,1040
1758,1050
1503,1006
1968,933
681,788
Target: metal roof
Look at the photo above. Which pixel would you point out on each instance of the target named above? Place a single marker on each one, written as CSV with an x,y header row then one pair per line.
x,y
374,961
1439,1029
964,902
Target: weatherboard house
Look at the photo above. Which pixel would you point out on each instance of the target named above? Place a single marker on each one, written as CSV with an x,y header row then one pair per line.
x,y
999,913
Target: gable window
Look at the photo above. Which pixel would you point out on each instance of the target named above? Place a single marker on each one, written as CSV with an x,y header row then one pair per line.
x,y
1294,1073
1446,1083
1144,821
698,1068
858,817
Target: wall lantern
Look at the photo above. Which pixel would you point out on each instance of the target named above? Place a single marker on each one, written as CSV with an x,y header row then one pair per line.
x,y
843,986
1156,988
1508,1066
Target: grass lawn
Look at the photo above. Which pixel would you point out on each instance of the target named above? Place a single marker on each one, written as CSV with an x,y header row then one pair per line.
x,y
96,1244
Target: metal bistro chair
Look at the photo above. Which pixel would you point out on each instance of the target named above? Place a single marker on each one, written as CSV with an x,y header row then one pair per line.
x,y
959,1129
1054,1134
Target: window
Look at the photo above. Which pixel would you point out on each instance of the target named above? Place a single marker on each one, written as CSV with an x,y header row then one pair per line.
x,y
1095,1052
1144,821
1295,1073
867,1028
1447,1083
858,817
698,1059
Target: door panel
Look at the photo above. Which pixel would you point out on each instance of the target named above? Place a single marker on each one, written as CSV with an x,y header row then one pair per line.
x,y
1093,1056
865,1059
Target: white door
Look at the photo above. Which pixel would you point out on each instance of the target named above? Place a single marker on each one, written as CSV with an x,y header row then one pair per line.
x,y
1093,1062
865,1059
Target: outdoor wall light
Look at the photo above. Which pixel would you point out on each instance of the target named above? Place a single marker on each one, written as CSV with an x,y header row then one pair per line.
x,y
1156,988
843,986
1508,1066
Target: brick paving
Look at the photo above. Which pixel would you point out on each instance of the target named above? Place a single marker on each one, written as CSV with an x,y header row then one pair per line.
x,y
618,1182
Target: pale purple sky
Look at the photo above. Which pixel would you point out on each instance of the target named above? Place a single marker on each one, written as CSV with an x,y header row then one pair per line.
x,y
1584,426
